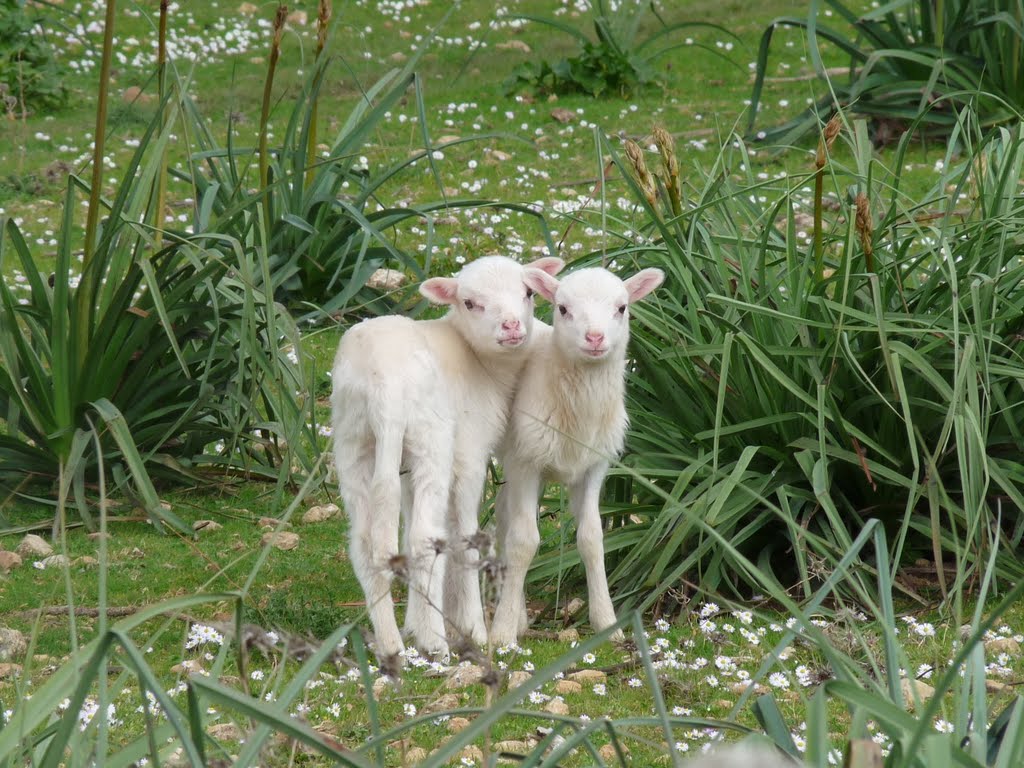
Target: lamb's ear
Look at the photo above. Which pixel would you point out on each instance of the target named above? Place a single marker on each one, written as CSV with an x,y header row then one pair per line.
x,y
440,290
550,264
541,282
642,283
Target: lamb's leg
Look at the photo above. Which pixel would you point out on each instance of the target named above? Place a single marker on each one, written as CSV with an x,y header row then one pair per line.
x,y
371,502
463,605
424,616
518,539
583,500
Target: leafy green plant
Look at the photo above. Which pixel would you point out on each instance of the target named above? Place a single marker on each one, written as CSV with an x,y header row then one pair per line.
x,y
618,62
30,75
910,60
789,409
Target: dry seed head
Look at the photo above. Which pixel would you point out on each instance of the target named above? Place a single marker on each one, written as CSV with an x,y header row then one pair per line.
x,y
667,147
643,176
322,20
828,138
865,226
279,20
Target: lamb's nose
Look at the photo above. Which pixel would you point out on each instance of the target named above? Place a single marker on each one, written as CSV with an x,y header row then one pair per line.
x,y
595,337
511,325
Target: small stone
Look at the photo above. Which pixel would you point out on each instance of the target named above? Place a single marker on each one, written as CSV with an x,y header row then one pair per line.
x,y
9,670
514,45
473,754
497,156
608,753
271,523
910,687
249,9
457,724
568,636
1005,645
446,701
283,540
134,95
9,560
297,18
568,687
447,139
206,525
562,115
575,606
226,732
398,57
415,756
34,546
557,707
87,562
588,676
382,684
320,513
55,561
465,676
517,678
188,667
97,535
12,644
512,746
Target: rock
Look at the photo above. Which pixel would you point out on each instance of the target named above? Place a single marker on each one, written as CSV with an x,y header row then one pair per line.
x,y
608,753
9,560
567,636
297,18
512,746
226,732
249,9
133,94
321,512
271,523
589,676
415,756
87,562
206,525
473,754
283,540
562,115
557,706
1002,645
34,546
447,701
97,535
447,139
575,606
465,676
568,687
910,687
497,156
517,678
457,724
398,57
12,644
55,561
514,45
9,670
382,684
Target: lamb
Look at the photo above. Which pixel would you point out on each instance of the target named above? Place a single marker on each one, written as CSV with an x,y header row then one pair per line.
x,y
568,418
418,407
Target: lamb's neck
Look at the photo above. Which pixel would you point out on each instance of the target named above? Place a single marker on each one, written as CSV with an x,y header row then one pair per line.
x,y
607,375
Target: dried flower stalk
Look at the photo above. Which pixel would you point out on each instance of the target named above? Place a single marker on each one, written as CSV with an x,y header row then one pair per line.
x,y
667,148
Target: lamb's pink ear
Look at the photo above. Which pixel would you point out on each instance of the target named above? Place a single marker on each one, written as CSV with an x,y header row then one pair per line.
x,y
541,282
440,290
550,264
642,283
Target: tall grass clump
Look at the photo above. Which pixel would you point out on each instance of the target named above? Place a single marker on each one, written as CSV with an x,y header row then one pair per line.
x,y
909,60
787,405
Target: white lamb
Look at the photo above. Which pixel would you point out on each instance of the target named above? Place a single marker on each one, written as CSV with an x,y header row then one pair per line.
x,y
418,407
568,419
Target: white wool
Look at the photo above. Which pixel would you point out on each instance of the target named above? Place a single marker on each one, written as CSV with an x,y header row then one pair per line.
x,y
568,421
418,407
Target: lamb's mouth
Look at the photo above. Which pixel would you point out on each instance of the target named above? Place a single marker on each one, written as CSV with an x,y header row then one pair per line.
x,y
511,341
595,352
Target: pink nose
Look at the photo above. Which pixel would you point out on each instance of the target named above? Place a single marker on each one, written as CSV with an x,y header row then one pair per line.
x,y
510,325
595,337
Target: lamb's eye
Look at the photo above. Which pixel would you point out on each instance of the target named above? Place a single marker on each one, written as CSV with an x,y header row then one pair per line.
x,y
469,304
529,293
622,309
562,309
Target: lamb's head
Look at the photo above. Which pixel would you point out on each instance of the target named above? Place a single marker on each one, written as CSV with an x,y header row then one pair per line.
x,y
591,317
491,304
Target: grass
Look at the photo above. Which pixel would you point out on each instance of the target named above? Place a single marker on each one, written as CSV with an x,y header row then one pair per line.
x,y
521,153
